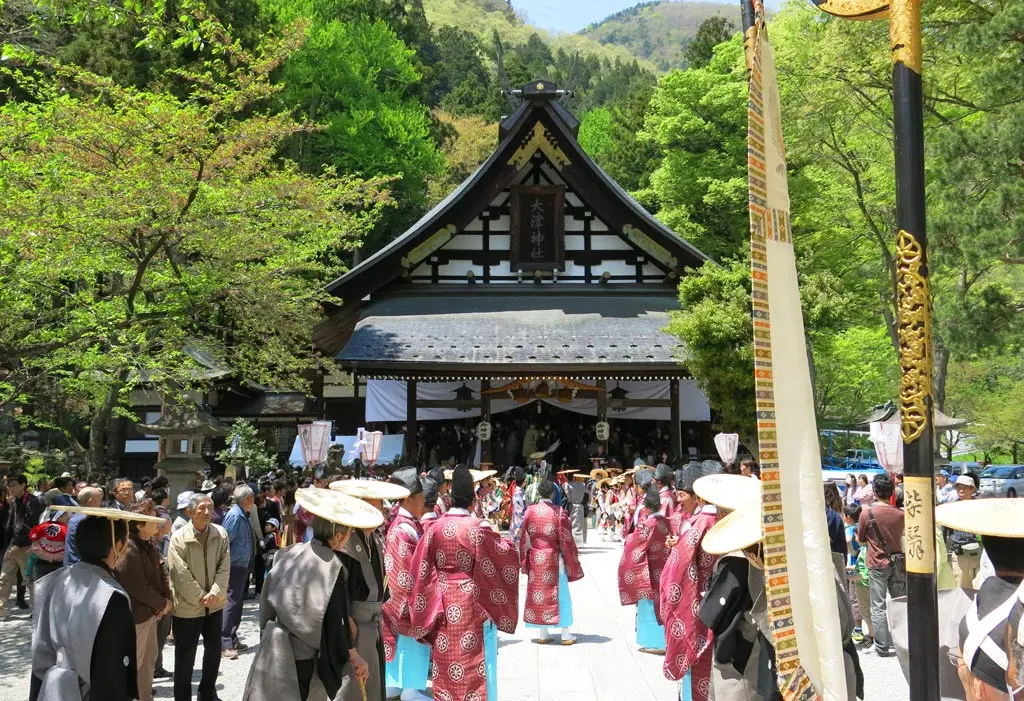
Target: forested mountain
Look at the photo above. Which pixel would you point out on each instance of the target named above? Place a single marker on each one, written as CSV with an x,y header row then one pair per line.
x,y
484,17
660,31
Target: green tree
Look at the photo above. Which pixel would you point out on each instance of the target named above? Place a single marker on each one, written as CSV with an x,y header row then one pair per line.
x,y
358,79
138,225
715,331
246,448
698,118
711,32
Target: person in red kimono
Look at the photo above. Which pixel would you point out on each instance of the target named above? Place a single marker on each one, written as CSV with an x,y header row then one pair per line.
x,y
685,579
664,478
431,485
466,590
407,659
549,558
642,479
643,559
444,497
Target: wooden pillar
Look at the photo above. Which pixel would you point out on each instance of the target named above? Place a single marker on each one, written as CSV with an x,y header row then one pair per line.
x,y
485,415
676,429
411,428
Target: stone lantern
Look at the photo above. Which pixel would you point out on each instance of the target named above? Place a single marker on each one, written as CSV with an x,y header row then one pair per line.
x,y
181,429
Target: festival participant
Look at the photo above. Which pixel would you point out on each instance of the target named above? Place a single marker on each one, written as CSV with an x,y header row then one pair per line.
x,y
643,559
685,579
363,557
987,633
431,485
515,478
578,497
642,479
466,589
83,641
407,659
664,478
308,646
550,560
444,497
735,608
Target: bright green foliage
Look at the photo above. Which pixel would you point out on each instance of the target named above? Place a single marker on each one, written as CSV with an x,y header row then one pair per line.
x,y
463,80
855,369
595,136
990,392
718,342
137,224
629,159
698,118
246,448
358,79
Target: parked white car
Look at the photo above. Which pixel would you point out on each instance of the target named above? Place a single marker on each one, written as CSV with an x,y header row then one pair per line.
x,y
1002,481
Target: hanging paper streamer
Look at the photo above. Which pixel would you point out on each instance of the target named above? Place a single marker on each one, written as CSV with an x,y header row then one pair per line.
x,y
727,445
798,566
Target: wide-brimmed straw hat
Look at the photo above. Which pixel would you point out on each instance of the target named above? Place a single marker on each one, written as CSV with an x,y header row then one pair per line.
x,y
581,478
370,489
112,514
739,530
598,474
993,517
338,507
567,472
728,491
481,475
539,455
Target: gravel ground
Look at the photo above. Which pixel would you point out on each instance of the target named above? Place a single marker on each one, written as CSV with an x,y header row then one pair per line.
x,y
605,663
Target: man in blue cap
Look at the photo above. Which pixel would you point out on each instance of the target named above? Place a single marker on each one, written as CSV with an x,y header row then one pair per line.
x,y
944,491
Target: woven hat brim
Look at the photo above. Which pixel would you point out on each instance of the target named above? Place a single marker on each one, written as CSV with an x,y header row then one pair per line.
x,y
370,489
567,472
994,517
737,531
339,508
481,475
113,514
728,491
538,455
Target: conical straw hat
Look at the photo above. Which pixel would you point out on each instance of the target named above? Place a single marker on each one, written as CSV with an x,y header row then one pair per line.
x,y
370,489
994,517
112,514
728,491
339,508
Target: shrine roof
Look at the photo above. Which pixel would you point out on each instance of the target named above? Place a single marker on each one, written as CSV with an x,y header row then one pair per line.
x,y
509,331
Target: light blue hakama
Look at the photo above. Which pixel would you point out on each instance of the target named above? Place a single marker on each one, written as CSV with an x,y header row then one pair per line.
x,y
491,659
411,666
649,633
564,602
686,688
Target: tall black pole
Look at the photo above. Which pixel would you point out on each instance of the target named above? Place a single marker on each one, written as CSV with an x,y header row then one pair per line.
x,y
914,314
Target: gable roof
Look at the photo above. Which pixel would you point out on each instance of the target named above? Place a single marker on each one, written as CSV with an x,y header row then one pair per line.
x,y
600,192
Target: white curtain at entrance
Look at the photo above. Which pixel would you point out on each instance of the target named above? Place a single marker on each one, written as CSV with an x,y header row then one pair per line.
x,y
386,401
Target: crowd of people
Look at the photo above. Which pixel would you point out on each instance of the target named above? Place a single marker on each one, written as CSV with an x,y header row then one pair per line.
x,y
380,589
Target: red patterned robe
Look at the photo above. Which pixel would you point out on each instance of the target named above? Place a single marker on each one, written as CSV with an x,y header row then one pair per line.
x,y
643,558
399,547
465,574
547,535
685,579
670,509
428,521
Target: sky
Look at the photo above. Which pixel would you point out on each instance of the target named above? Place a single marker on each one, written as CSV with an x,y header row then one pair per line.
x,y
574,15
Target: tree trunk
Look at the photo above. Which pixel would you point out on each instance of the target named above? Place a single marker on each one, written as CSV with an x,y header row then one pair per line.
x,y
940,370
97,455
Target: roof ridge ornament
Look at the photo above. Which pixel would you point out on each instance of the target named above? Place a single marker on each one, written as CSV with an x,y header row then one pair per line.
x,y
539,140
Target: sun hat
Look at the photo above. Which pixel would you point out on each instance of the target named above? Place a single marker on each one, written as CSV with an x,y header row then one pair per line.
x,y
944,473
183,499
993,517
370,489
338,507
567,472
728,491
112,514
738,530
539,455
598,474
208,486
481,475
965,480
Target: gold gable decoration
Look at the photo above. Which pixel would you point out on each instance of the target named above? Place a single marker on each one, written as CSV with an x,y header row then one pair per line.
x,y
539,140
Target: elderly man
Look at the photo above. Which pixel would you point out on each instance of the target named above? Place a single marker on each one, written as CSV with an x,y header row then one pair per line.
x,y
944,491
23,513
240,535
87,496
199,565
124,494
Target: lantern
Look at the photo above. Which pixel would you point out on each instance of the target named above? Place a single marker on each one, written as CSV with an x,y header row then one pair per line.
x,y
314,439
372,441
483,430
602,430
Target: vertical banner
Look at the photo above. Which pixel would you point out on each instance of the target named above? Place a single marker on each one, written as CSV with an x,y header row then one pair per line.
x,y
799,574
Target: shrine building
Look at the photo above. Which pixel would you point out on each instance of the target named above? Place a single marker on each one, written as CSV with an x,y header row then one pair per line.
x,y
537,280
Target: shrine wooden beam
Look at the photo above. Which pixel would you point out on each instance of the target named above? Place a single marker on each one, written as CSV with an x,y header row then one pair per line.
x,y
675,430
411,428
485,415
464,404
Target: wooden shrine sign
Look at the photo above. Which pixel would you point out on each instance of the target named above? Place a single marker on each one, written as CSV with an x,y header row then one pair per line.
x,y
538,227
